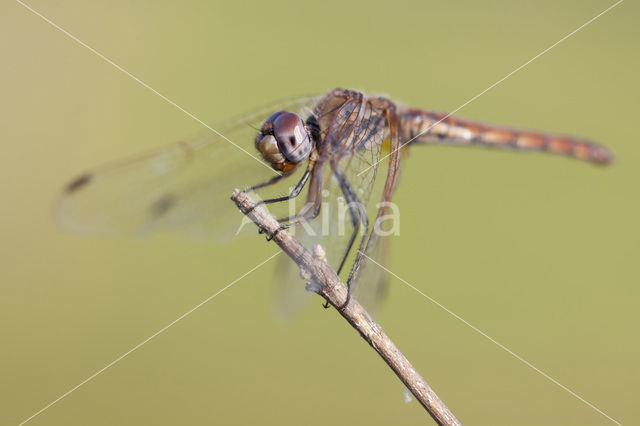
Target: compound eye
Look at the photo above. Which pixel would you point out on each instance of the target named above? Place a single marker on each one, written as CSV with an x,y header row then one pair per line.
x,y
292,137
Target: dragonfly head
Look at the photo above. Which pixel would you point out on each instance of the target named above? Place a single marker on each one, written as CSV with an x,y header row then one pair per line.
x,y
284,141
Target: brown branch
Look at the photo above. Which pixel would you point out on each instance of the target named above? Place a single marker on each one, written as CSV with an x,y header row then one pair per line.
x,y
322,280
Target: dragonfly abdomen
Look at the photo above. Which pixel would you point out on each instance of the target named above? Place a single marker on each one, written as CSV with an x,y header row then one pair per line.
x,y
428,127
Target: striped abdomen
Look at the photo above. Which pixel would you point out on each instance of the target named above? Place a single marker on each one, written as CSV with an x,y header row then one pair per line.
x,y
429,127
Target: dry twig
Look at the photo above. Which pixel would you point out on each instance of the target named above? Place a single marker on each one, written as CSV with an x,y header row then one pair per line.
x,y
323,280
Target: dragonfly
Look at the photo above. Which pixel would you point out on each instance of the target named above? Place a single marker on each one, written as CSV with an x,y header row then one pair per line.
x,y
342,146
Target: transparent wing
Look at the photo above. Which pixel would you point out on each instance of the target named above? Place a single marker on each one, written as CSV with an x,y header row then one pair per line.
x,y
184,186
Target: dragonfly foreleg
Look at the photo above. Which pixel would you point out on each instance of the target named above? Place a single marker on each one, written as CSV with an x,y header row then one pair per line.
x,y
293,194
311,209
271,181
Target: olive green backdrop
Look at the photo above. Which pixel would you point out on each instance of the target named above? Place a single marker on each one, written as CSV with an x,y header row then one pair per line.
x,y
539,252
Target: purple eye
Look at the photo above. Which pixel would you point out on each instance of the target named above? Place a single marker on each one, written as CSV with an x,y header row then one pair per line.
x,y
291,136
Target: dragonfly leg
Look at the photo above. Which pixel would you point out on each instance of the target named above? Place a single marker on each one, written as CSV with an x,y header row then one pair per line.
x,y
306,215
271,181
294,193
359,219
310,211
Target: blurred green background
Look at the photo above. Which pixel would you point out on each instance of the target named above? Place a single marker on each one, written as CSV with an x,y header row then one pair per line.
x,y
539,252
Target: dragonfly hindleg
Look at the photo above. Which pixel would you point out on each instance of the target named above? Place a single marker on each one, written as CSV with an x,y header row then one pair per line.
x,y
359,220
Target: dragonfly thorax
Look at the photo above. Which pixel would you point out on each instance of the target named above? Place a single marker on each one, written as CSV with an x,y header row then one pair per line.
x,y
284,141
